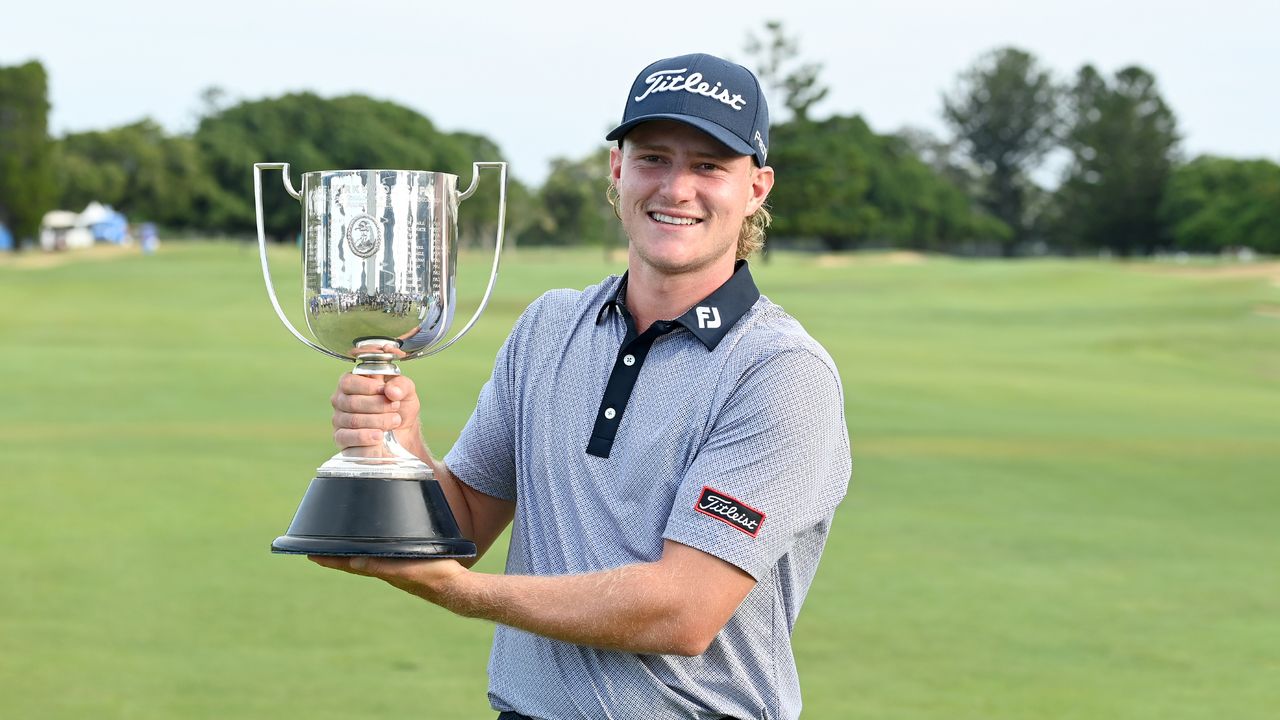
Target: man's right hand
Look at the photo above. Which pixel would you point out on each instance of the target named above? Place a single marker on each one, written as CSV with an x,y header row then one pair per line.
x,y
365,406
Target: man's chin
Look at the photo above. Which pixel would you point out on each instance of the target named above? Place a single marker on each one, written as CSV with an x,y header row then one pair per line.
x,y
673,263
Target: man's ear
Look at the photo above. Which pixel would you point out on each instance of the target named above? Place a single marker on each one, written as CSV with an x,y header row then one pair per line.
x,y
615,164
761,184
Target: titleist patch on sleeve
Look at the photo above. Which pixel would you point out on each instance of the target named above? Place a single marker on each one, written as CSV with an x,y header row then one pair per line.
x,y
732,511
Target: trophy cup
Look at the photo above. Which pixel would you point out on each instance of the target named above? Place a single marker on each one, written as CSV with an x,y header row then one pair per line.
x,y
378,262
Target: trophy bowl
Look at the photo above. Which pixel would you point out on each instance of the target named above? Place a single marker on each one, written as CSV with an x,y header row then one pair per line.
x,y
379,256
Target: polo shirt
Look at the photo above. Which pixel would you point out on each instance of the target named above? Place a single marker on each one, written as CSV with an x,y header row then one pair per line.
x,y
727,434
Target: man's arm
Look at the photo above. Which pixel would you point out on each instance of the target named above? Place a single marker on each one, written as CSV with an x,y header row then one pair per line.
x,y
674,606
364,407
481,518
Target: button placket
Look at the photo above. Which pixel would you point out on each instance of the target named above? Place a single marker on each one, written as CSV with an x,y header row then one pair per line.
x,y
622,380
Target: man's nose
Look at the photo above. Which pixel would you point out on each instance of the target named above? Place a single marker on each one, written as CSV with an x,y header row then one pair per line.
x,y
678,185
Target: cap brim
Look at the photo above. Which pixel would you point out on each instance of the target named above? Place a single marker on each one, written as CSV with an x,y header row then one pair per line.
x,y
726,138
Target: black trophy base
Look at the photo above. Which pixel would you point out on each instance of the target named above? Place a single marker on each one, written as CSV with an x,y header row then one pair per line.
x,y
372,517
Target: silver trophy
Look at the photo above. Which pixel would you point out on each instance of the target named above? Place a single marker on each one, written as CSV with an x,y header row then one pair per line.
x,y
378,265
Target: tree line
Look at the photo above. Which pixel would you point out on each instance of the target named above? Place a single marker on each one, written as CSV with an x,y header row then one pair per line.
x,y
1123,187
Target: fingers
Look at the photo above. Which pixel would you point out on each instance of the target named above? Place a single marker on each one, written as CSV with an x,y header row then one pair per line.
x,y
353,384
358,565
349,439
333,563
425,578
368,566
399,387
363,404
364,407
358,393
365,421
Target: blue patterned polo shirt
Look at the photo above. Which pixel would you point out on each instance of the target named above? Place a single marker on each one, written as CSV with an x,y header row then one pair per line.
x,y
722,430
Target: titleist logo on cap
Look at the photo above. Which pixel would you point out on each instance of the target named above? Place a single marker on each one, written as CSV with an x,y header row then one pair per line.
x,y
673,88
675,81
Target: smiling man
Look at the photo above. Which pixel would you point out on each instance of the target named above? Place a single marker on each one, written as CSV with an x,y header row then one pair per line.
x,y
670,444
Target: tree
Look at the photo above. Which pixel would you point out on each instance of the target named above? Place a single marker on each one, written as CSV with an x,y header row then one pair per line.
x,y
1005,111
847,186
313,133
922,209
574,207
139,170
945,157
823,181
1123,140
1213,203
478,219
796,84
27,186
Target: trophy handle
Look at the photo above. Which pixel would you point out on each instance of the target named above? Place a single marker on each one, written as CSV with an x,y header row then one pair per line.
x,y
476,167
262,247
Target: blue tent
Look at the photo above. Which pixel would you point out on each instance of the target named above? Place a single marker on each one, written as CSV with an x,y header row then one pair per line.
x,y
113,229
6,239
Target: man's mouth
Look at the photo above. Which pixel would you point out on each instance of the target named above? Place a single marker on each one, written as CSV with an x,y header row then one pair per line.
x,y
669,220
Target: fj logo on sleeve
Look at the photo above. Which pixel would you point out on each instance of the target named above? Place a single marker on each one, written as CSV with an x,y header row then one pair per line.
x,y
708,317
731,511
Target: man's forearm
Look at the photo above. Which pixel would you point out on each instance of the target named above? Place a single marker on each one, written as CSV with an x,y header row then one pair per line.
x,y
673,606
632,608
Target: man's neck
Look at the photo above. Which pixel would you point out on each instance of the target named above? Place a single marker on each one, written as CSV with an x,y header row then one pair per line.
x,y
652,296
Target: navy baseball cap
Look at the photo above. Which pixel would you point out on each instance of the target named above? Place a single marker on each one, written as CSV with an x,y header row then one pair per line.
x,y
720,98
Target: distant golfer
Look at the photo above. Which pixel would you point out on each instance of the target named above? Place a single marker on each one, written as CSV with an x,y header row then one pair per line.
x,y
670,444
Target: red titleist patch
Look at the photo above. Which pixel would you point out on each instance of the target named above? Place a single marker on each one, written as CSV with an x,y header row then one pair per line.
x,y
729,510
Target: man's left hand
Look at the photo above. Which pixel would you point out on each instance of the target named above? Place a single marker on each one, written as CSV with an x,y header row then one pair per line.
x,y
428,579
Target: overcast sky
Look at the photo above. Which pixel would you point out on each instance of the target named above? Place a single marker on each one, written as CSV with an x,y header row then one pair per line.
x,y
548,79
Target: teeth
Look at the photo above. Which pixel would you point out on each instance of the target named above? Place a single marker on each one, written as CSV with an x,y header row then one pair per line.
x,y
672,220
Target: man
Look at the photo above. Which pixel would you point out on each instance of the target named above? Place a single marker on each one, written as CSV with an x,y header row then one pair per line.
x,y
670,444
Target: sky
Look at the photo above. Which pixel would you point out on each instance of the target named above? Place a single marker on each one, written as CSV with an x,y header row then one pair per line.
x,y
549,79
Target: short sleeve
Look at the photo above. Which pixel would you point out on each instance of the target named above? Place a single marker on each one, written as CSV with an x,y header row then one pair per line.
x,y
484,455
773,468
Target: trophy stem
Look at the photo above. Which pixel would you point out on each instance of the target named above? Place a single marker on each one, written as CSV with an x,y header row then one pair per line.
x,y
389,460
376,363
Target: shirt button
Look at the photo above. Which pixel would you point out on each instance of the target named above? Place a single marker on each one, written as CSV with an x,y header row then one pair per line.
x,y
628,360
610,413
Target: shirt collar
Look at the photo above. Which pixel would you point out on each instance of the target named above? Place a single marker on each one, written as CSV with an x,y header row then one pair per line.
x,y
711,318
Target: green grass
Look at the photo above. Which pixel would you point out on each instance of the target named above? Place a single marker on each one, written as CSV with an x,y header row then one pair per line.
x,y
1065,503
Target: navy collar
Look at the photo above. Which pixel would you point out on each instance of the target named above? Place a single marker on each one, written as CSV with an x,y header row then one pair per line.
x,y
711,318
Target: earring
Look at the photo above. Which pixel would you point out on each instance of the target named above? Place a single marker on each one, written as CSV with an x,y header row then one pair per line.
x,y
611,194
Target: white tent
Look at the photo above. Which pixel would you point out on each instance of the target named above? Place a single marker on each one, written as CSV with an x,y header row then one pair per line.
x,y
94,213
62,230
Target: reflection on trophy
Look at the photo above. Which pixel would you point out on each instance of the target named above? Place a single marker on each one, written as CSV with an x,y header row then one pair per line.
x,y
378,262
